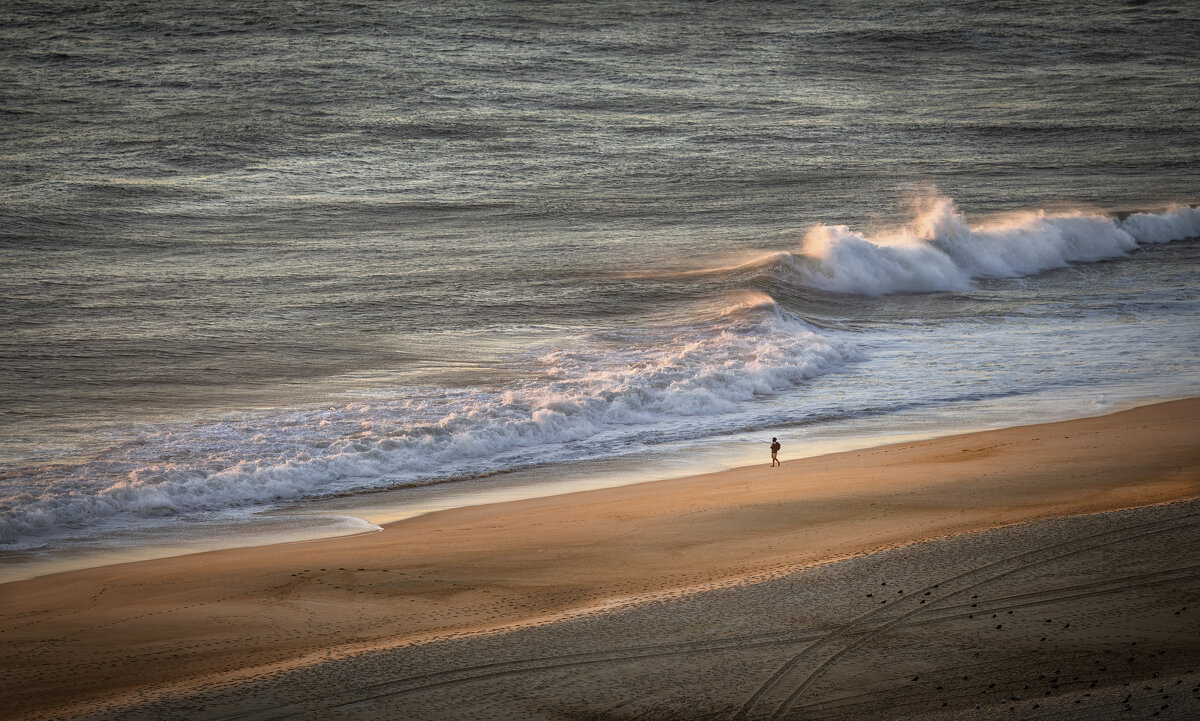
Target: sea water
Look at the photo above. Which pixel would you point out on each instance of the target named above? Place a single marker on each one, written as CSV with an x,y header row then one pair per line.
x,y
261,261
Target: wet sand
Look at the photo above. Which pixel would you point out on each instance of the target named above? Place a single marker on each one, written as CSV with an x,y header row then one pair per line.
x,y
714,596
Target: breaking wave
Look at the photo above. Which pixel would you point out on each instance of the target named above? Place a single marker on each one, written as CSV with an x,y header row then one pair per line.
x,y
623,391
939,251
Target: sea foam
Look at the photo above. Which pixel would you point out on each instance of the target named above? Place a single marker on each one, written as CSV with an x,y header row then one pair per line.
x,y
614,395
940,251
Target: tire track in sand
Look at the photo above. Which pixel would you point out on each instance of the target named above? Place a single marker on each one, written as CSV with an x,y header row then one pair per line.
x,y
1061,593
874,623
483,672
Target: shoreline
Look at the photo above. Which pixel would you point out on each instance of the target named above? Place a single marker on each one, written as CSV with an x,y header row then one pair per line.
x,y
230,614
345,515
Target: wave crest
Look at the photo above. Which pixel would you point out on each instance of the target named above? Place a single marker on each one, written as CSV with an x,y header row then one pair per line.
x,y
939,251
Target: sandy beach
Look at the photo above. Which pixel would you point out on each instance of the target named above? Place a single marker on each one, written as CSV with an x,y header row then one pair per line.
x,y
1043,571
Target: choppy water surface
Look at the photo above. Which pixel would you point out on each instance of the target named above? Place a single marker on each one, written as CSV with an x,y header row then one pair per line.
x,y
252,254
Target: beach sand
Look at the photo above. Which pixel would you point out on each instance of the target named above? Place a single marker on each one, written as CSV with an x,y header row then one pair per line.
x,y
857,585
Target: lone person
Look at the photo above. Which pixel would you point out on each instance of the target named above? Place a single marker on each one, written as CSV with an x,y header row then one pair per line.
x,y
774,450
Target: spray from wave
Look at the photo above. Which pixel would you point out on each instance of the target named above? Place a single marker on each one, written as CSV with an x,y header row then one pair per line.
x,y
939,251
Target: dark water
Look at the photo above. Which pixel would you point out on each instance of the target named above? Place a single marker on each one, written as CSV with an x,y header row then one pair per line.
x,y
256,252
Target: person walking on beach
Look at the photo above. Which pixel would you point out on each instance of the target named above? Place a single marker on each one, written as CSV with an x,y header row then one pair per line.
x,y
774,450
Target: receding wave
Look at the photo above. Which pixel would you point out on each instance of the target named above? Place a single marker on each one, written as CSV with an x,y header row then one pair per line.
x,y
940,251
616,393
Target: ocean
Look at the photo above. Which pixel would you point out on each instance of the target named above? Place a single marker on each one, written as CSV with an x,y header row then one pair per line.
x,y
267,268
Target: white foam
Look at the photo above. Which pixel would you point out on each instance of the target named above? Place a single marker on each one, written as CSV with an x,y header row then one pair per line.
x,y
1177,223
593,401
939,251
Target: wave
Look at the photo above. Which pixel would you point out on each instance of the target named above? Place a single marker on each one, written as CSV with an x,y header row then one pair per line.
x,y
939,251
623,390
612,393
